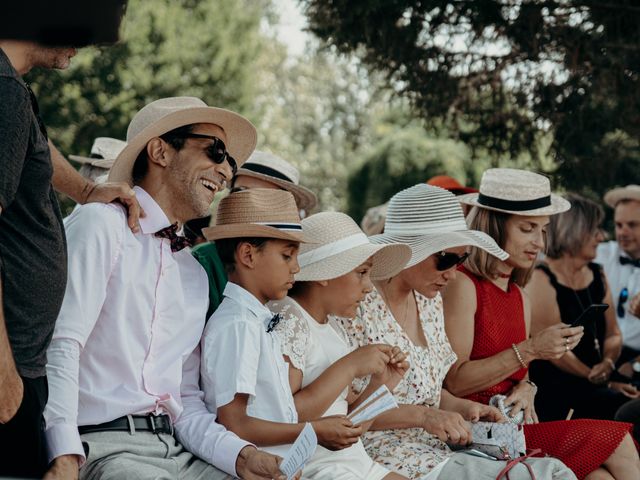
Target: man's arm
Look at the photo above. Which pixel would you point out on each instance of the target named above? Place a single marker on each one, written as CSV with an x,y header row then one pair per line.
x,y
11,388
67,180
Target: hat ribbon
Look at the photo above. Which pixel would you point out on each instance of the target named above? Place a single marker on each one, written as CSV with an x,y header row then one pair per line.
x,y
514,205
333,248
272,172
424,226
296,227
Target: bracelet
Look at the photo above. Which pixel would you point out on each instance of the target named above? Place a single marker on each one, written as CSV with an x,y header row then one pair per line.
x,y
532,384
520,359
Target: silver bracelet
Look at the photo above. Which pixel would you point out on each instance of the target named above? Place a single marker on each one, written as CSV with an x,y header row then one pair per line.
x,y
520,359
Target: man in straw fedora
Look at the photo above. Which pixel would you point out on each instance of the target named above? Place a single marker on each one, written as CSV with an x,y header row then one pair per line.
x,y
261,170
621,262
124,360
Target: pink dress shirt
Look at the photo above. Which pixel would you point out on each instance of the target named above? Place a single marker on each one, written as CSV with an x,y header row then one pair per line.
x,y
126,340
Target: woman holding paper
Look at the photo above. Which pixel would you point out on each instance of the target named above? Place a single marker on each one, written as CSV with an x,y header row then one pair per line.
x,y
406,310
334,277
488,317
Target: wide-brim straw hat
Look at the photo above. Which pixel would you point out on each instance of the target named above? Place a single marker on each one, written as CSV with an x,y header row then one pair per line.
x,y
166,114
257,212
630,192
103,152
429,219
340,246
518,192
276,170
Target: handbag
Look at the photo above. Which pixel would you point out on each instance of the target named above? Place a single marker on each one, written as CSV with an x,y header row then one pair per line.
x,y
506,438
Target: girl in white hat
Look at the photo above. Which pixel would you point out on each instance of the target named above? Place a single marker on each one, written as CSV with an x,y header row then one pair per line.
x,y
488,316
334,277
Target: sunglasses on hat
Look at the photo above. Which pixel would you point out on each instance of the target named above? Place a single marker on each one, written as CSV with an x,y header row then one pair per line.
x,y
447,260
216,151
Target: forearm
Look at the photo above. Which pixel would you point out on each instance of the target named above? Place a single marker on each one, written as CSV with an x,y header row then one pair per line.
x,y
612,347
473,376
66,179
405,416
313,400
571,364
7,362
450,402
263,433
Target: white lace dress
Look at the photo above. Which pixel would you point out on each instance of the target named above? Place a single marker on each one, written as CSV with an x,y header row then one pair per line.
x,y
411,452
313,347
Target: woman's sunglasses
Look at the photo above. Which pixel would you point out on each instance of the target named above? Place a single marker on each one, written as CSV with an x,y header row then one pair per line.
x,y
624,296
447,260
216,151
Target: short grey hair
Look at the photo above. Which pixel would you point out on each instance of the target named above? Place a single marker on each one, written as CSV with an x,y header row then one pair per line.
x,y
568,230
93,173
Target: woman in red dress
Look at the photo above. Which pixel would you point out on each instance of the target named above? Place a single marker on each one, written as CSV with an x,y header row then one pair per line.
x,y
487,317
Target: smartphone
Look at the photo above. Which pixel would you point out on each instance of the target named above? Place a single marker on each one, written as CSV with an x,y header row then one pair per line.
x,y
588,317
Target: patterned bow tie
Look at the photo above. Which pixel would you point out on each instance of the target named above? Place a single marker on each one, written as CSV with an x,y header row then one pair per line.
x,y
273,322
630,261
178,242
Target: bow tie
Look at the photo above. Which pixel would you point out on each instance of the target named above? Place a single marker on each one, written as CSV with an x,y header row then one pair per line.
x,y
630,261
178,242
273,322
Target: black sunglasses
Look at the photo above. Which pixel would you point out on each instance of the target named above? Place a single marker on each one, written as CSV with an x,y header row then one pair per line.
x,y
624,296
216,151
447,260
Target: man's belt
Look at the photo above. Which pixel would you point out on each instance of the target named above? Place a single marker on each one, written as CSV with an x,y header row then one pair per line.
x,y
131,423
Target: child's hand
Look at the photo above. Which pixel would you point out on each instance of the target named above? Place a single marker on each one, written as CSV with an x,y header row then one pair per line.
x,y
370,359
395,369
336,432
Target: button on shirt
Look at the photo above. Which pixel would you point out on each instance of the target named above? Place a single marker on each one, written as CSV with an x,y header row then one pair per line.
x,y
239,356
127,338
619,277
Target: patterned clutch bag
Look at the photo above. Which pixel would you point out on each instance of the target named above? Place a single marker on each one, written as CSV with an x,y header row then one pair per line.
x,y
503,437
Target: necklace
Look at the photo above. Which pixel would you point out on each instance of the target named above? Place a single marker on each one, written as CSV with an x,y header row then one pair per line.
x,y
403,319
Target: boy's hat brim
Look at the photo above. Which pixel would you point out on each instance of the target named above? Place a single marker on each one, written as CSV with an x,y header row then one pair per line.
x,y
241,230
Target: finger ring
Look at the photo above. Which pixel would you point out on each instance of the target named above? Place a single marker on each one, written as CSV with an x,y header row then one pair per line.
x,y
566,341
566,348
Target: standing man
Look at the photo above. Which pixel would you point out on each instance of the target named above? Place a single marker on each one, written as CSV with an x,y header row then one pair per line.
x,y
124,362
621,262
32,251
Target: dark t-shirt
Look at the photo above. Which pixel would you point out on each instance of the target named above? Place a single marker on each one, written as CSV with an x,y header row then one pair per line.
x,y
207,255
33,258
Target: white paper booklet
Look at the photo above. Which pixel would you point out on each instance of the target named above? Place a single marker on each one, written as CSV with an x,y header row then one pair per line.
x,y
300,452
377,403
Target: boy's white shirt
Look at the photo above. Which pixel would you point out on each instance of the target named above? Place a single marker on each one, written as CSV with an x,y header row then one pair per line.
x,y
240,357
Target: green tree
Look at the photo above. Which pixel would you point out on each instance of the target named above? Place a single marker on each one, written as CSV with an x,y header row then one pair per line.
x,y
496,73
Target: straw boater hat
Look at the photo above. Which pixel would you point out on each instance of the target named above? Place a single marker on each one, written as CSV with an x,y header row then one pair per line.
x,y
517,192
429,219
103,152
257,212
340,246
630,192
166,114
278,171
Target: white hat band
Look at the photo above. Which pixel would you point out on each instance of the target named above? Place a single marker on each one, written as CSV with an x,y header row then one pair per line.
x,y
293,227
333,248
425,227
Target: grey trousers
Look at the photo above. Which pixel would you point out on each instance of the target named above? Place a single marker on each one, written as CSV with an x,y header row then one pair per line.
x,y
142,456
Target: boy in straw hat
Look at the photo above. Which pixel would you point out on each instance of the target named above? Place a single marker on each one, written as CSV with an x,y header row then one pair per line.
x,y
261,170
124,360
244,376
335,275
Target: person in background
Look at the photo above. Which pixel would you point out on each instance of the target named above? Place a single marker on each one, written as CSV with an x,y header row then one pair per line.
x,y
103,153
561,289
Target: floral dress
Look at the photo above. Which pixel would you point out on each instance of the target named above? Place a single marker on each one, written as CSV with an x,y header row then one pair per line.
x,y
411,452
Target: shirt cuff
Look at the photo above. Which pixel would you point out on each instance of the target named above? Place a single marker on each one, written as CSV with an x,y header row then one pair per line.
x,y
227,454
64,439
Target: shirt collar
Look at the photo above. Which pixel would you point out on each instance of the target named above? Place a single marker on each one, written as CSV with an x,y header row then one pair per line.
x,y
155,219
248,300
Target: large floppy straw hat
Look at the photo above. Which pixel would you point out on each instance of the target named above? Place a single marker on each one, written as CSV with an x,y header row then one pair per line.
x,y
630,192
518,192
273,169
166,114
257,212
429,219
103,152
340,246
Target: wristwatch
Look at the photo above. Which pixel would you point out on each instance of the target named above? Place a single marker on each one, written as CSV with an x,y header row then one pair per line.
x,y
635,366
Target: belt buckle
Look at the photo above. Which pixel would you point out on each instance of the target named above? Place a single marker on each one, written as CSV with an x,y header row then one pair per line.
x,y
152,423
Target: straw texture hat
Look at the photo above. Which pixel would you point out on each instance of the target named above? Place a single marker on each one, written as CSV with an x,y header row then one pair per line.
x,y
429,219
630,192
257,212
340,246
278,171
103,152
518,192
166,114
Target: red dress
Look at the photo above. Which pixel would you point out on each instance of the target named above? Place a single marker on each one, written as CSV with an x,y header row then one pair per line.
x,y
583,445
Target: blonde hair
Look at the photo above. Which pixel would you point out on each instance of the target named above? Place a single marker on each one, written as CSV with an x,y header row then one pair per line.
x,y
481,263
569,230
